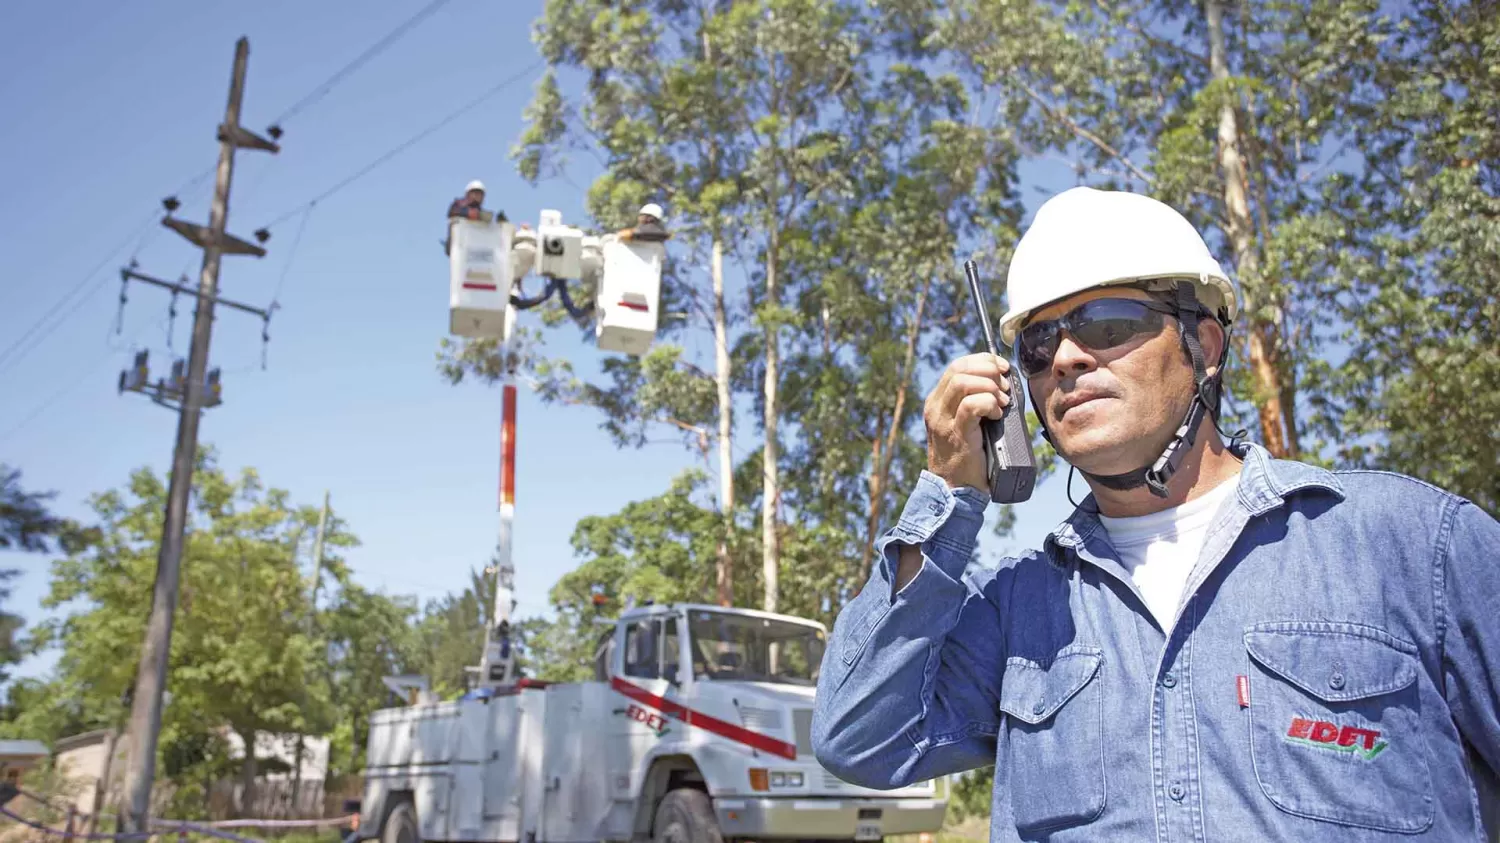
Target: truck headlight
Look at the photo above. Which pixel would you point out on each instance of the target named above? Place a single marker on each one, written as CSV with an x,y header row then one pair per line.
x,y
778,779
794,779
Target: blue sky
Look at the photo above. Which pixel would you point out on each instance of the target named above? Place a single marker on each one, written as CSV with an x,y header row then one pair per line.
x,y
113,105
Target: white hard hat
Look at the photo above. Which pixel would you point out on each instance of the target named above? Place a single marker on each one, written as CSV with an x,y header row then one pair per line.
x,y
474,185
1085,238
651,210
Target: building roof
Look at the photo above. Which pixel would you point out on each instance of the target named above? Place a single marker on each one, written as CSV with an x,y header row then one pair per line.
x,y
97,736
23,748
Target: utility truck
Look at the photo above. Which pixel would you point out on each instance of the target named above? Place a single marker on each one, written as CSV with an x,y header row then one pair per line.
x,y
697,726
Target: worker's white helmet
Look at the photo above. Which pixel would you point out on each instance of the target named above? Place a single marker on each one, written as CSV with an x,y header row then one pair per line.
x,y
651,209
475,185
1085,238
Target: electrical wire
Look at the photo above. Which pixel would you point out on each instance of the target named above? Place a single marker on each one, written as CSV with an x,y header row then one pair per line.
x,y
291,255
407,144
10,355
371,52
40,324
328,84
195,181
52,399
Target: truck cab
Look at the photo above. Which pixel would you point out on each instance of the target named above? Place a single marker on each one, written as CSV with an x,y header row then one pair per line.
x,y
723,698
697,726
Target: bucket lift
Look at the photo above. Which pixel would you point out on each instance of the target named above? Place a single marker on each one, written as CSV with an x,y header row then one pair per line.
x,y
622,277
480,278
629,296
487,261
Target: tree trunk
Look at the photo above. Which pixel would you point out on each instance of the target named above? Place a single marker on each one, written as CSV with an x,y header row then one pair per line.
x,y
297,776
247,775
1261,336
722,374
771,481
880,468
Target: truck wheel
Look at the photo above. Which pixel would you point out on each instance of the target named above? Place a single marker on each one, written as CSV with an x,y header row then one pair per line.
x,y
686,816
401,825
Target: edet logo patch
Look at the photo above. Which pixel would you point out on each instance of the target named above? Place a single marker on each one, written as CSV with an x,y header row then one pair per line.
x,y
1363,743
654,722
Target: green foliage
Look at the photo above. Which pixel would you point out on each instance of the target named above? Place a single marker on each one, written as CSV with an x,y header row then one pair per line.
x,y
249,652
451,633
367,636
10,626
240,650
25,522
1417,296
971,794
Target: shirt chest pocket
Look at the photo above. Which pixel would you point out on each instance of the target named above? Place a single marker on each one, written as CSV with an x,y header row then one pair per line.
x,y
1334,725
1051,749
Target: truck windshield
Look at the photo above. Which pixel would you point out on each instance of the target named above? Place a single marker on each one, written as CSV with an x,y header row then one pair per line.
x,y
749,649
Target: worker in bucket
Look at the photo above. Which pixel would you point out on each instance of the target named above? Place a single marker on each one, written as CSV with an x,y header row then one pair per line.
x,y
648,226
1243,648
470,206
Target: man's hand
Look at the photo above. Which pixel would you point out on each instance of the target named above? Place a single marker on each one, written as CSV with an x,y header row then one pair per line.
x,y
971,388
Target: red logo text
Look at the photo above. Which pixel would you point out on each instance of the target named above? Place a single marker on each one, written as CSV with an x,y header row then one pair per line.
x,y
1365,743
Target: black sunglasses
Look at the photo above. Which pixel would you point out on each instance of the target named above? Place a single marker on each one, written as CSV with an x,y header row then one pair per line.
x,y
1098,324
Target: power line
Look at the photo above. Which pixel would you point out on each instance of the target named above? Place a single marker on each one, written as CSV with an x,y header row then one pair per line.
x,y
291,255
72,385
62,302
328,84
371,52
194,181
407,144
318,93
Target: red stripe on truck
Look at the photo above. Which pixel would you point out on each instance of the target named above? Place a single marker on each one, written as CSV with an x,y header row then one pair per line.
x,y
724,729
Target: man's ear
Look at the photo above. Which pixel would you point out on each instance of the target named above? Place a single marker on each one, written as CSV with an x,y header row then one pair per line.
x,y
1211,336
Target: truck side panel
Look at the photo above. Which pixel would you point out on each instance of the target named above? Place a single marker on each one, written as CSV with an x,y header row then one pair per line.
x,y
431,793
514,736
575,771
533,743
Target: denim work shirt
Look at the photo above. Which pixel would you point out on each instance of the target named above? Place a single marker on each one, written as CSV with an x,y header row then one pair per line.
x,y
1331,674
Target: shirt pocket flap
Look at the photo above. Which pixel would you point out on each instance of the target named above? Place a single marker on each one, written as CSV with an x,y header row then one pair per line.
x,y
1033,693
1335,665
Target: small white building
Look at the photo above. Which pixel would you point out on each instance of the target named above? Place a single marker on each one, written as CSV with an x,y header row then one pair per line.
x,y
16,757
283,748
95,764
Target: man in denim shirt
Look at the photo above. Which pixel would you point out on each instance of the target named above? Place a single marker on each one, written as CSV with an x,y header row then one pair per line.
x,y
1216,645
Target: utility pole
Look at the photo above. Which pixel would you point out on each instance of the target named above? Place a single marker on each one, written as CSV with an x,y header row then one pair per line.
x,y
146,705
318,558
311,628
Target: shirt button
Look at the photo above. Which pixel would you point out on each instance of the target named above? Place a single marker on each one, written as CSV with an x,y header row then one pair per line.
x,y
1170,680
1176,792
1038,709
1336,681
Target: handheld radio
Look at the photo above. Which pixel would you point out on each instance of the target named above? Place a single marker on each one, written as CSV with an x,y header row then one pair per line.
x,y
1008,461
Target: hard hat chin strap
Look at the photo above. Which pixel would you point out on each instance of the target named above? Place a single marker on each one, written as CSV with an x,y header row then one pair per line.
x,y
1159,473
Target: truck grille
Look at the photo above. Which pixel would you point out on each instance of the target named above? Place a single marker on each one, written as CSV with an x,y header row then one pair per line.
x,y
802,725
831,782
760,718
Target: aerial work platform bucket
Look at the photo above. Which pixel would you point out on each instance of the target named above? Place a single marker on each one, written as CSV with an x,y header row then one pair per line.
x,y
480,278
629,296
